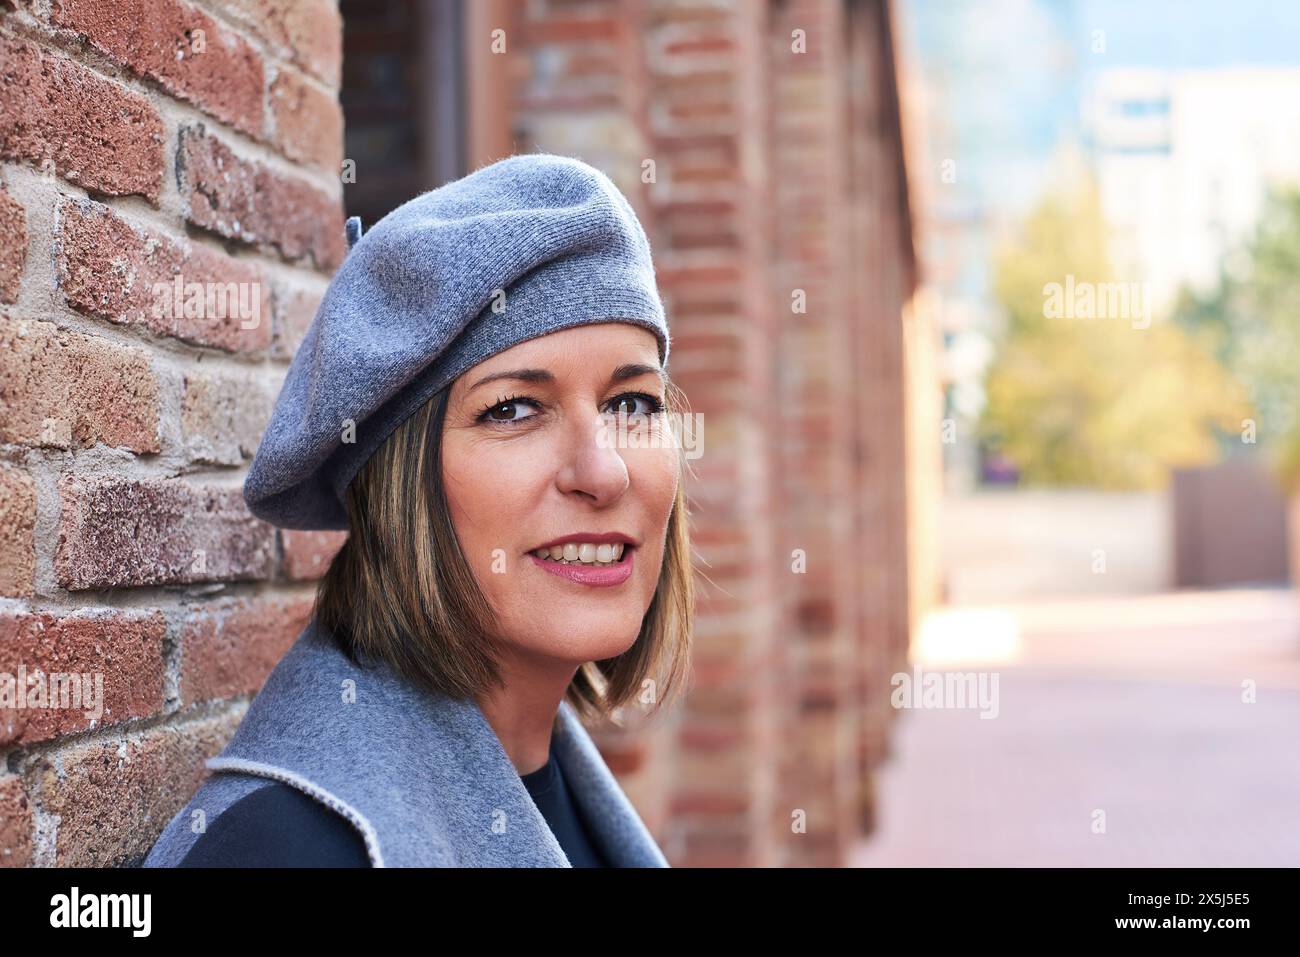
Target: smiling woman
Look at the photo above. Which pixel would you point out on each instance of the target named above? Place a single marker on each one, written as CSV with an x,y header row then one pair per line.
x,y
515,561
546,479
452,510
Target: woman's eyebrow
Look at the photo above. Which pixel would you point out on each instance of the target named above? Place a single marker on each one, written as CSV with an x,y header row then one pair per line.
x,y
629,370
523,375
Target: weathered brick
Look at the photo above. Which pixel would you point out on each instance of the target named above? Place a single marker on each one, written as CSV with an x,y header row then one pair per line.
x,y
113,798
222,417
246,201
126,274
295,308
308,121
121,651
715,843
17,532
623,756
228,649
576,30
89,130
308,33
115,533
67,390
13,246
16,825
189,54
308,554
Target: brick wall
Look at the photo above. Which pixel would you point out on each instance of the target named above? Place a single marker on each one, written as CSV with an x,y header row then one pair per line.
x,y
883,283
144,144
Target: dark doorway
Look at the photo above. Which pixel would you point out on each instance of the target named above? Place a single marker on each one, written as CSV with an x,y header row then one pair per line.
x,y
403,97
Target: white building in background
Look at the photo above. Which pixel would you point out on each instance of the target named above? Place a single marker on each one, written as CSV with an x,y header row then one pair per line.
x,y
1183,161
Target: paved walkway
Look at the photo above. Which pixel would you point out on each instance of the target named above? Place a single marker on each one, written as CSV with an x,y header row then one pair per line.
x,y
1132,707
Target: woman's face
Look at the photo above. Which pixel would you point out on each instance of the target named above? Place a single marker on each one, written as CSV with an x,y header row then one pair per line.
x,y
532,453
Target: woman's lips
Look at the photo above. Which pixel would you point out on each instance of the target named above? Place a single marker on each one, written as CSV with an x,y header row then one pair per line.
x,y
597,575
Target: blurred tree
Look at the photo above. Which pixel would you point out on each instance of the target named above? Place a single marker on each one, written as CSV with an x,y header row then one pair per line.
x,y
1254,317
1112,402
1064,235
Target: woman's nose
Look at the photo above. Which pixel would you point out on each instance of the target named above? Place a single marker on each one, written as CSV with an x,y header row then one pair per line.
x,y
592,464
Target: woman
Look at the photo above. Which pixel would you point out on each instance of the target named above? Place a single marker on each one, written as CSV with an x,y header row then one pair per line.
x,y
481,401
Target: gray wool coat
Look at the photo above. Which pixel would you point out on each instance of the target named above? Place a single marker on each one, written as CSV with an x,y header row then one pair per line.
x,y
422,777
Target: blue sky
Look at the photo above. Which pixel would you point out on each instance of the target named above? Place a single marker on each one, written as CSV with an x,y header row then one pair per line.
x,y
1009,74
1009,77
1194,34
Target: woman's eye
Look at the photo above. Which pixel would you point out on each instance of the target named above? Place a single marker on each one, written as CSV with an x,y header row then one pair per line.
x,y
627,404
501,412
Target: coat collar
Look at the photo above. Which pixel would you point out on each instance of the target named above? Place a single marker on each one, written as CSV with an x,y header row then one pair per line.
x,y
422,776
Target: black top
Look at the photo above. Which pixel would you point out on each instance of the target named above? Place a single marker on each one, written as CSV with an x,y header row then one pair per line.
x,y
553,798
280,826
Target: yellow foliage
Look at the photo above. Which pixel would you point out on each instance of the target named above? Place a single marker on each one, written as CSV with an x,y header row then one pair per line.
x,y
1096,401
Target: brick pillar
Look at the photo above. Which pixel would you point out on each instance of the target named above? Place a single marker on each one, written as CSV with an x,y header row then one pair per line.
x,y
708,124
815,392
145,148
877,204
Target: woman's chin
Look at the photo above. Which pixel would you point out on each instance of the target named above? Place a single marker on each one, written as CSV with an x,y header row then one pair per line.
x,y
580,639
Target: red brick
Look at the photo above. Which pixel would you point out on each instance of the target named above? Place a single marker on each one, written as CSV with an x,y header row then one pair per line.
x,y
706,804
116,533
17,532
307,33
110,268
158,39
16,825
222,417
591,65
308,121
295,308
13,246
89,130
247,201
67,390
623,757
123,649
113,798
308,554
227,650
561,31
710,846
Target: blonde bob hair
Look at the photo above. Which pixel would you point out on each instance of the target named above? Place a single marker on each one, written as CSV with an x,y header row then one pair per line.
x,y
401,590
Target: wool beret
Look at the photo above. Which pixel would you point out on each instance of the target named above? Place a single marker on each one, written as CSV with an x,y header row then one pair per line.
x,y
528,245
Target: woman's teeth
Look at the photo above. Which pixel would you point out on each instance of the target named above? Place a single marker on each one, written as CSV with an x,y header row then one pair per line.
x,y
584,554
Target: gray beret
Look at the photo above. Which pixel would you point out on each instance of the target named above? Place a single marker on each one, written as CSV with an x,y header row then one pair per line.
x,y
547,240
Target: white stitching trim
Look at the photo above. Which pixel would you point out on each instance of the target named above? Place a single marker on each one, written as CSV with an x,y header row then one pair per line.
x,y
319,793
